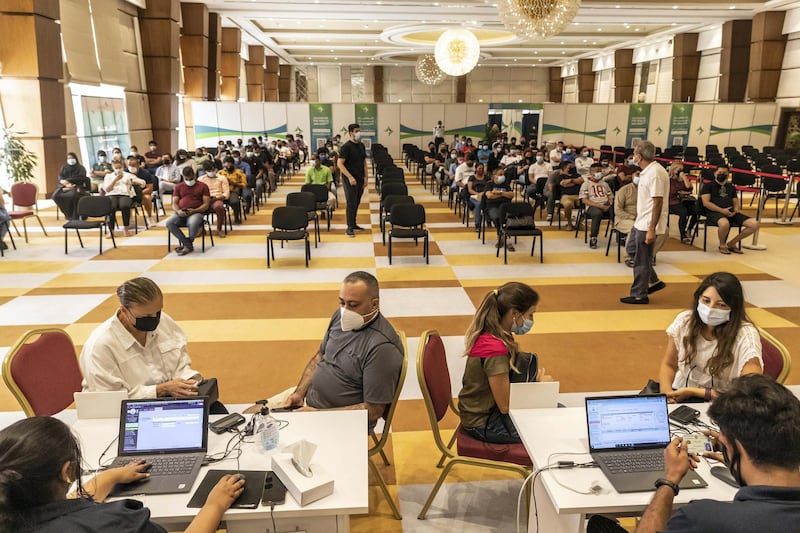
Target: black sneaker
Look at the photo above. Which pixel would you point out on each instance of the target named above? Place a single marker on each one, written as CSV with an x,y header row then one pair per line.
x,y
593,242
358,228
350,233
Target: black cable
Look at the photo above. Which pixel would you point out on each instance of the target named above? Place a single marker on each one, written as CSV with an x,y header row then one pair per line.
x,y
100,465
272,516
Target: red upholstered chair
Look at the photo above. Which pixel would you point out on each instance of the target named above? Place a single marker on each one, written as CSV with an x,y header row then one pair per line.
x,y
434,381
42,371
23,206
777,360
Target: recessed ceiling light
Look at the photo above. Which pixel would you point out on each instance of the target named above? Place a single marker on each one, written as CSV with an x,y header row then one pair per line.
x,y
540,59
336,59
506,65
361,51
673,24
637,29
480,100
515,60
599,29
577,23
583,41
562,42
400,101
563,52
519,101
618,6
331,49
536,51
594,42
674,7
732,7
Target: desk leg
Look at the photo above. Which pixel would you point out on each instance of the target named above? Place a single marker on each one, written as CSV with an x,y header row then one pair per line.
x,y
549,520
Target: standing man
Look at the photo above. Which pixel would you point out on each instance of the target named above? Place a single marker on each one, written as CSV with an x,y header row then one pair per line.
x,y
438,134
651,221
353,166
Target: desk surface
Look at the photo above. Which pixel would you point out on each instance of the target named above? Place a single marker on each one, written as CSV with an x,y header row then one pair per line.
x,y
342,442
549,435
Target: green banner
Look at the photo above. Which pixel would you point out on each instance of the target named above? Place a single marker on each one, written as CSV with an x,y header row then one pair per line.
x,y
638,123
367,119
321,120
679,123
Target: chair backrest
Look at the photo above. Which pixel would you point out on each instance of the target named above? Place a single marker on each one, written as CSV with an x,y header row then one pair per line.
x,y
395,199
434,377
393,188
289,218
23,194
516,210
408,215
777,360
306,200
389,414
319,191
42,371
94,206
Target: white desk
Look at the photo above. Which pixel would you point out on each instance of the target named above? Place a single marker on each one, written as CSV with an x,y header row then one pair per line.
x,y
547,432
341,437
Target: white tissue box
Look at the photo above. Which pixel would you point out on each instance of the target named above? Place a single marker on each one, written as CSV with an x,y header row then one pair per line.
x,y
303,489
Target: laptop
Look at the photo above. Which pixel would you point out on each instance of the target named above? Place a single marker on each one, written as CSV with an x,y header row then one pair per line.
x,y
627,437
101,404
171,435
534,395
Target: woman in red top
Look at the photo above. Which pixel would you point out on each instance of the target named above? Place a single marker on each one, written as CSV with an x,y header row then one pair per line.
x,y
491,353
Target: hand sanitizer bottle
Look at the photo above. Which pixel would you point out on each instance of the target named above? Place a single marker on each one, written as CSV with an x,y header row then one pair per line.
x,y
267,430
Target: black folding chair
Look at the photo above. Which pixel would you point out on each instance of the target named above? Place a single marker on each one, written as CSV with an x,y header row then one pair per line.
x,y
408,221
289,223
517,221
90,207
307,201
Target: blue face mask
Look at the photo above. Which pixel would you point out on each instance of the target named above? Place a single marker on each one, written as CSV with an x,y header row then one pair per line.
x,y
527,325
636,180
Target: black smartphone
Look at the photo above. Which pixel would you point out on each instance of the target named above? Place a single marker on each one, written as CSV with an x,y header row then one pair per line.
x,y
684,414
274,490
224,424
286,409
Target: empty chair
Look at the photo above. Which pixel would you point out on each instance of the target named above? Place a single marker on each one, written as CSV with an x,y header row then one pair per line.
x,y
24,206
517,221
90,207
289,223
777,360
389,202
321,196
408,222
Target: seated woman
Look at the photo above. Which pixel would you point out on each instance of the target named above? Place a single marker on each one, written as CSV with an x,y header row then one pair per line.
x,y
491,353
118,187
681,201
710,344
41,459
72,184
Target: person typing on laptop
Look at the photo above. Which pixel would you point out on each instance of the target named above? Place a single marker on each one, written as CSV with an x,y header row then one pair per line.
x,y
710,344
40,460
759,441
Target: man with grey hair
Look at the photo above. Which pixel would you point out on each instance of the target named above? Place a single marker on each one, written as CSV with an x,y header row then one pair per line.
x,y
651,221
358,362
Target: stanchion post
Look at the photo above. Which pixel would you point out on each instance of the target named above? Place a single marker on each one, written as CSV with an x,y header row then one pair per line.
x,y
762,200
784,221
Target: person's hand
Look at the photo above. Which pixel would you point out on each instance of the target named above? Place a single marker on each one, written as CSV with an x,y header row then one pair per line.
x,y
178,388
680,395
293,400
133,471
676,460
181,213
650,237
542,375
716,445
351,181
225,492
729,212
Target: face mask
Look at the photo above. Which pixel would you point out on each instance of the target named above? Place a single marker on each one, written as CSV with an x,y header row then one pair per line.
x,y
211,173
585,154
568,150
133,153
631,163
323,158
604,163
722,178
117,155
471,164
598,176
181,158
102,159
148,323
71,161
357,136
190,183
513,152
636,180
249,154
166,161
453,155
352,321
237,159
539,159
527,325
133,170
153,148
501,179
711,316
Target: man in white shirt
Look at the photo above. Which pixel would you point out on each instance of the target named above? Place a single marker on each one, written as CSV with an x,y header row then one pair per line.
x,y
651,221
583,162
140,349
438,134
511,158
465,171
555,155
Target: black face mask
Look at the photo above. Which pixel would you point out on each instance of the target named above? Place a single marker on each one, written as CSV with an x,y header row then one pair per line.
x,y
734,464
722,178
148,323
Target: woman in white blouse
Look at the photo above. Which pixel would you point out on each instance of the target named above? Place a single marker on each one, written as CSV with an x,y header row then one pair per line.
x,y
710,344
118,186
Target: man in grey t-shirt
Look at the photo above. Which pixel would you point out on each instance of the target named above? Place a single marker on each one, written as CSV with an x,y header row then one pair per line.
x,y
359,360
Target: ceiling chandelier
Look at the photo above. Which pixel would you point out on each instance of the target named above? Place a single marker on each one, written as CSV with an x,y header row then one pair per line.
x,y
457,52
532,19
428,72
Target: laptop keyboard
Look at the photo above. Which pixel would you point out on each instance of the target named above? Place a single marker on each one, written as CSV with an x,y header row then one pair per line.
x,y
167,465
629,462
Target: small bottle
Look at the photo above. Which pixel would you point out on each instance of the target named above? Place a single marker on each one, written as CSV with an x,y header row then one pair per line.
x,y
267,430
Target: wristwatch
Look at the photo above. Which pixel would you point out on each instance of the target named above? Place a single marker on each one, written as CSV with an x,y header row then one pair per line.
x,y
661,481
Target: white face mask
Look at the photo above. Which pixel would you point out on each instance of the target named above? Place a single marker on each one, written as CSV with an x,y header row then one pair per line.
x,y
352,321
357,136
101,158
598,176
712,316
132,170
72,161
568,150
190,183
133,153
501,179
539,159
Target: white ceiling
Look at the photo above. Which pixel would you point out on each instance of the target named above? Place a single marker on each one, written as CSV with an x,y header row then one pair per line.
x,y
397,32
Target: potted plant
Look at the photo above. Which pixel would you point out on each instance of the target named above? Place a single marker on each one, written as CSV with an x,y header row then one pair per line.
x,y
18,161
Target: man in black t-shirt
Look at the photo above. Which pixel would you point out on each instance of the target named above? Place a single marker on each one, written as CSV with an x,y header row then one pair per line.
x,y
722,209
497,193
353,165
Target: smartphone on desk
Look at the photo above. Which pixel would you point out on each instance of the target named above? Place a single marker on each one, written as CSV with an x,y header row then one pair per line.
x,y
274,490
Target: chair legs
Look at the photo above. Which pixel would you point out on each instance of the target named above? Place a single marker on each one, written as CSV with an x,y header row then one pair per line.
x,y
385,490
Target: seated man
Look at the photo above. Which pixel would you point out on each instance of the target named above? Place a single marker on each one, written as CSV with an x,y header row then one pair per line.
x,y
359,360
220,192
625,208
320,174
143,193
99,171
140,349
239,192
497,193
759,431
722,208
597,196
190,200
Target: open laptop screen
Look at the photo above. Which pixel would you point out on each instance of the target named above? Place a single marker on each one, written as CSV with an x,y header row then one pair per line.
x,y
163,426
619,422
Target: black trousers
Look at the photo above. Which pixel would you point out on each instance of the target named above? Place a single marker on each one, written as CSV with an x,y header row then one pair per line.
x,y
352,195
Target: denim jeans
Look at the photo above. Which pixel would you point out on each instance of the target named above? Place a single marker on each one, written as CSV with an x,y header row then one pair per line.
x,y
194,222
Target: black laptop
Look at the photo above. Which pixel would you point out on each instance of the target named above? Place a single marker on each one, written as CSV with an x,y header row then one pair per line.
x,y
627,437
168,433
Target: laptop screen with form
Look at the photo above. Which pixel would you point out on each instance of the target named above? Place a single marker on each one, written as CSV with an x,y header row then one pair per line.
x,y
627,422
164,426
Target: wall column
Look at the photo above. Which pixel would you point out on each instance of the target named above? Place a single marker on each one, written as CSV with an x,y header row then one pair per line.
x,y
556,88
30,53
733,69
685,67
214,56
585,81
272,71
767,45
461,89
624,73
231,45
194,50
377,87
285,83
254,74
160,38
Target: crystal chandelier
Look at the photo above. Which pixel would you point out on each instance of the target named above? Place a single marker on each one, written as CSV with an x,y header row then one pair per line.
x,y
428,72
457,52
532,19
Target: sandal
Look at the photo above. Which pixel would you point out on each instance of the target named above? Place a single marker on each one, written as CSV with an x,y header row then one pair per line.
x,y
735,250
724,250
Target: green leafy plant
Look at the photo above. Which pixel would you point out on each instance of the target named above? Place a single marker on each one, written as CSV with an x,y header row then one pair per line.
x,y
18,161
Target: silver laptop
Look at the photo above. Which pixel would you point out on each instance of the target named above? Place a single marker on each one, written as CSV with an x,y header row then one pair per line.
x,y
101,404
168,433
627,437
536,395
